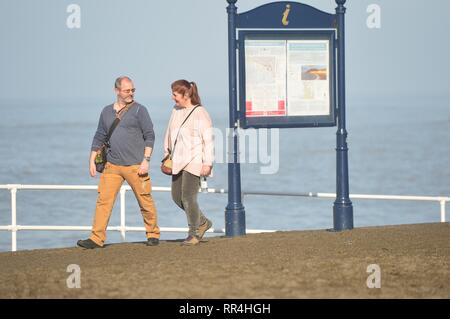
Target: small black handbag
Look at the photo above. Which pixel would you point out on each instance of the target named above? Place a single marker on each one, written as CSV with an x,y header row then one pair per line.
x,y
100,159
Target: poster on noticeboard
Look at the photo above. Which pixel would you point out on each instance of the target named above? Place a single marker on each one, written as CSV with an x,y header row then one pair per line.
x,y
288,81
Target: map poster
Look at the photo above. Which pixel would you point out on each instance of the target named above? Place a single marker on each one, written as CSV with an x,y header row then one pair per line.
x,y
265,77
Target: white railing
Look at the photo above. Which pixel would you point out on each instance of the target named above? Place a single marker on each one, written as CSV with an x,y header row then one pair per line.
x,y
442,200
122,228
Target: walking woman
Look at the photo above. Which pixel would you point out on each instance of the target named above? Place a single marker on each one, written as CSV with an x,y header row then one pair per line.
x,y
189,140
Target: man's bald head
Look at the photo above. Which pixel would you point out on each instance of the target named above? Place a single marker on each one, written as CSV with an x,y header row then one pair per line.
x,y
120,80
124,88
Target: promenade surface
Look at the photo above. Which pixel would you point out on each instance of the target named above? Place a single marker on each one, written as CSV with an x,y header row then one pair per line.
x,y
414,261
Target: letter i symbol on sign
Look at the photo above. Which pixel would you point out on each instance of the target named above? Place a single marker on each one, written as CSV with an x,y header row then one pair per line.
x,y
285,20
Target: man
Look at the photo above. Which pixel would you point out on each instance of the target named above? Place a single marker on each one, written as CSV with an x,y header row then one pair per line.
x,y
128,157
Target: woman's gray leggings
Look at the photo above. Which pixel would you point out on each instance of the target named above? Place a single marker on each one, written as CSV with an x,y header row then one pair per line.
x,y
185,188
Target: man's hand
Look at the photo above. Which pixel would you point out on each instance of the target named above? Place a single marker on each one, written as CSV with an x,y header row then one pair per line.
x,y
92,170
143,169
206,170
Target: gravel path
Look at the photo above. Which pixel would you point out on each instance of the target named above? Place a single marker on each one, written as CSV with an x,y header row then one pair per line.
x,y
414,261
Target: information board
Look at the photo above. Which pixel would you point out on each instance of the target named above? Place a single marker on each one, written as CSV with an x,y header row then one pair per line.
x,y
287,78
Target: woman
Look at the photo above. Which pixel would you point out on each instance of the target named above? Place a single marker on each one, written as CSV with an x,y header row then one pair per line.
x,y
189,139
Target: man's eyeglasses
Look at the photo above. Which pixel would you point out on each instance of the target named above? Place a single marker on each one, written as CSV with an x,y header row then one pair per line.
x,y
128,91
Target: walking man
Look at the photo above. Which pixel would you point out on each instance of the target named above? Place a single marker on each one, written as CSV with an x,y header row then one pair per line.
x,y
128,157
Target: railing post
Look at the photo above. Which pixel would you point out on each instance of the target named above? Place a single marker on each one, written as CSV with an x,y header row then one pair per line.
x,y
122,213
443,211
13,219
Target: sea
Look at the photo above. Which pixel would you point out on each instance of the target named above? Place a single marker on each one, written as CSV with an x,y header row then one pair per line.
x,y
395,148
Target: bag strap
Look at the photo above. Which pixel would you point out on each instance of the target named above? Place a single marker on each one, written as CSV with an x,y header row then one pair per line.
x,y
124,110
119,116
176,139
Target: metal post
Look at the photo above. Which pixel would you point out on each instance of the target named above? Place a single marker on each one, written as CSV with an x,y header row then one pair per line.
x,y
122,212
442,211
13,219
343,208
234,212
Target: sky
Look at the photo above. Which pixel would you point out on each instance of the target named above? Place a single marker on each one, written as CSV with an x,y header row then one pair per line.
x,y
157,42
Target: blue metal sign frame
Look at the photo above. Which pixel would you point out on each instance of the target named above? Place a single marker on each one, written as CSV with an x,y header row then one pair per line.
x,y
287,16
287,121
280,21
